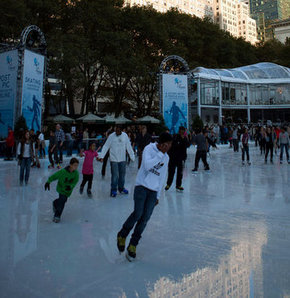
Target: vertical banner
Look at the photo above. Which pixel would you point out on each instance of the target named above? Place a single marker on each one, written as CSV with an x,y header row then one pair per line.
x,y
32,89
8,90
175,101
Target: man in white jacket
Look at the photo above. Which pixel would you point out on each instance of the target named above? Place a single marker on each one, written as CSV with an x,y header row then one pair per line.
x,y
118,143
150,181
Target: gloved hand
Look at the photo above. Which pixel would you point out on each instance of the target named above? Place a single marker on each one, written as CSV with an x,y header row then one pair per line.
x,y
47,186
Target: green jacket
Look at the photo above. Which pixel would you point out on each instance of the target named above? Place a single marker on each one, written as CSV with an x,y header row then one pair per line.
x,y
66,181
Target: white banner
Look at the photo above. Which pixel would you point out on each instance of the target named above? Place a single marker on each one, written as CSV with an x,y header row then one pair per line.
x,y
8,86
175,101
32,89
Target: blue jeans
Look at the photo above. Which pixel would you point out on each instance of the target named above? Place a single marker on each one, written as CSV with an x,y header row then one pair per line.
x,y
144,203
282,146
25,166
118,171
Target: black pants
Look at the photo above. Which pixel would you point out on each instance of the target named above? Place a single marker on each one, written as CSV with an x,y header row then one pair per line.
x,y
200,154
236,145
89,179
51,155
58,152
105,160
269,147
245,149
58,205
173,164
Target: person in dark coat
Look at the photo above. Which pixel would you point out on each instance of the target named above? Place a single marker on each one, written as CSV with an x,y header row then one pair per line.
x,y
177,154
142,140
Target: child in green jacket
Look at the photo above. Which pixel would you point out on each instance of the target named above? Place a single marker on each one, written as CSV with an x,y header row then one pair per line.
x,y
67,180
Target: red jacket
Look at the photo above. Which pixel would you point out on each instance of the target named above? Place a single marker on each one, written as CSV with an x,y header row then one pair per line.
x,y
10,139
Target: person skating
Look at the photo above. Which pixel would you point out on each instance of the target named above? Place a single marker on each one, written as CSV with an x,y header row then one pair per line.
x,y
25,152
149,184
142,140
88,168
60,137
67,179
245,147
52,149
201,140
118,143
270,138
10,142
284,144
177,154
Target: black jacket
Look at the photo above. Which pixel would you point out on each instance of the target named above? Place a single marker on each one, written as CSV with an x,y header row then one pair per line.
x,y
178,148
142,141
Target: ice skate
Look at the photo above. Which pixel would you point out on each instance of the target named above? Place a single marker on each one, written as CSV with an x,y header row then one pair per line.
x,y
113,193
167,187
124,191
131,253
51,167
249,163
89,192
243,163
194,170
281,162
58,166
81,190
121,242
179,188
56,219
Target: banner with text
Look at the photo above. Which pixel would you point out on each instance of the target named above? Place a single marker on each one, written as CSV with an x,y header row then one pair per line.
x,y
175,101
32,89
8,90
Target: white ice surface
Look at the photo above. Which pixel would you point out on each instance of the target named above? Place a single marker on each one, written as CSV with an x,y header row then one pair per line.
x,y
228,234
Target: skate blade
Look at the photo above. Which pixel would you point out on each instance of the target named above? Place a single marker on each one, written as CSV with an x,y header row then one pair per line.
x,y
129,258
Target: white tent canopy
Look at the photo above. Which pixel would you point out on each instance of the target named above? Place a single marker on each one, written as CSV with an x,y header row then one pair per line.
x,y
118,120
62,119
148,119
90,118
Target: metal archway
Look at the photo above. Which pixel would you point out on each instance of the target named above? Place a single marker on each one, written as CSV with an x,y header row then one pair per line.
x,y
170,58
33,28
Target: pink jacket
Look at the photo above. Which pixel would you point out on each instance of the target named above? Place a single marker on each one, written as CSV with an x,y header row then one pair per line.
x,y
88,167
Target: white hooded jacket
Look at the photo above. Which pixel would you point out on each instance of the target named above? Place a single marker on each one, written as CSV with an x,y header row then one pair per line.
x,y
153,170
118,145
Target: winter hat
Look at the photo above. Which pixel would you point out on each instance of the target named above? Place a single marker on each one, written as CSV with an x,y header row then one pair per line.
x,y
165,137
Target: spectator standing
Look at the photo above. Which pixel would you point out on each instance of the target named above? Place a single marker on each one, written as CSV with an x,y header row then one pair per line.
x,y
10,141
60,138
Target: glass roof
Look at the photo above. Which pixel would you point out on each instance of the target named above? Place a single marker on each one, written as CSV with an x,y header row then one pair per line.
x,y
264,70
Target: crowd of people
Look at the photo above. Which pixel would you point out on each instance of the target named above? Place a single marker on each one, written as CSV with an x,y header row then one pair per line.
x,y
158,160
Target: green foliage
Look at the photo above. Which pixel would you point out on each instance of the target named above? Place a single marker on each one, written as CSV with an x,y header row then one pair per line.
x,y
101,48
20,127
197,123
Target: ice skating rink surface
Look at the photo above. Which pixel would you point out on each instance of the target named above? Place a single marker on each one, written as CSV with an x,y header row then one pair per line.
x,y
227,235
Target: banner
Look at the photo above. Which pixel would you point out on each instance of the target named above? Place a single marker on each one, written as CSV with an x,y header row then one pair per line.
x,y
175,101
32,89
8,90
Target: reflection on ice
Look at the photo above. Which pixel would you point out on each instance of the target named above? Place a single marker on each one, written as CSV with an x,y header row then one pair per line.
x,y
235,275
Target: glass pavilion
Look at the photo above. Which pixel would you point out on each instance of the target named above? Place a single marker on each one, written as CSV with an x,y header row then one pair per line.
x,y
255,92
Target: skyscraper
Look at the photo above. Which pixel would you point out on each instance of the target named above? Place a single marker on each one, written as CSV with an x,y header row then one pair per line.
x,y
265,12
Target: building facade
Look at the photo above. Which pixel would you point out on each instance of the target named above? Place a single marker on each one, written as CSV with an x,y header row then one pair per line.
x,y
265,12
282,30
201,8
230,15
250,93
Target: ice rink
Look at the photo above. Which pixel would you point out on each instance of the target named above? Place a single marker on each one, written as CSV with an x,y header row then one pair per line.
x,y
227,235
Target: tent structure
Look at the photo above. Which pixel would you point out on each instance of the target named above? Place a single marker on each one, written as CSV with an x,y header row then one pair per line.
x,y
62,119
148,119
90,118
118,120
